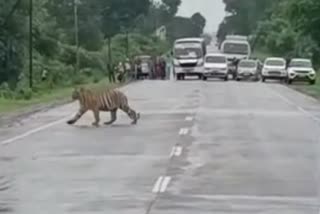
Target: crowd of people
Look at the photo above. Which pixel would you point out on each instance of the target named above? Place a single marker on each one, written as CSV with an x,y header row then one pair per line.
x,y
143,67
151,68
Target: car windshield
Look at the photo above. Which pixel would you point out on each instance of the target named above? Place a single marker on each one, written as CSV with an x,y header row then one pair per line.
x,y
188,50
301,63
235,48
216,59
275,62
247,64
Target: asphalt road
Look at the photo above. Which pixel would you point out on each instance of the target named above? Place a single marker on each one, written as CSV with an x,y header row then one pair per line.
x,y
199,147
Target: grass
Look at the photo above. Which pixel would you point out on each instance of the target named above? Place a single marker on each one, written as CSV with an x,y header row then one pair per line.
x,y
311,90
58,95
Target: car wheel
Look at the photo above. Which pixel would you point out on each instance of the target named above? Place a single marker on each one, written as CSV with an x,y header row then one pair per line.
x,y
312,82
204,78
238,79
226,78
263,79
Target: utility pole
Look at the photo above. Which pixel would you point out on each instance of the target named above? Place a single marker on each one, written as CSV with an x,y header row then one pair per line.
x,y
30,44
127,43
76,33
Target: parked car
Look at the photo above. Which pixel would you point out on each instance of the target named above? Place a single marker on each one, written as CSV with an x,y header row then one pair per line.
x,y
215,66
301,70
248,69
274,68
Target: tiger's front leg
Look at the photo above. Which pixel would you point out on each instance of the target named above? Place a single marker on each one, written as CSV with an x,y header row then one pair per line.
x,y
77,116
113,117
96,114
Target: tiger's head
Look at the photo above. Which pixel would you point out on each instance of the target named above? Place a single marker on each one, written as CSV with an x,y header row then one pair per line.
x,y
76,93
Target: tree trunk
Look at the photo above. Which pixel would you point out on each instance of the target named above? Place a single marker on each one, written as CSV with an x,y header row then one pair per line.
x,y
111,74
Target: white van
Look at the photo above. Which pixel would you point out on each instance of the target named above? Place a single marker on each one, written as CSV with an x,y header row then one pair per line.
x,y
235,50
188,54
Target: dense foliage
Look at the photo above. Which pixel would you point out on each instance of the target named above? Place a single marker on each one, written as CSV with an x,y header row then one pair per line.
x,y
289,28
128,26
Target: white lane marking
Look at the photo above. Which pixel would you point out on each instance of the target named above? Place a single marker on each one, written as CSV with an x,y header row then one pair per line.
x,y
28,133
172,151
157,185
183,131
299,108
189,118
165,183
176,151
161,184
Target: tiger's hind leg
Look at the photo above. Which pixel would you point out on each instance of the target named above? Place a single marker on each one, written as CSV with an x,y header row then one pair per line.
x,y
132,114
113,114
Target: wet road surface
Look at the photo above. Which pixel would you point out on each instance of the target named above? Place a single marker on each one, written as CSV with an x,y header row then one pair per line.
x,y
199,147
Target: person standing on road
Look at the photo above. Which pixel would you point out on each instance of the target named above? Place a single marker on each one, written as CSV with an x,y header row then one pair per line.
x,y
164,66
158,68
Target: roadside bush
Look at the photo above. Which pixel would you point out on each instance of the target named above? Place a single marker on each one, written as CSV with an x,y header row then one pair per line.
x,y
93,65
5,91
24,93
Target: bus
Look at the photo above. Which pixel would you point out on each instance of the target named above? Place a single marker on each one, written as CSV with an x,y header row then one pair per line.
x,y
188,57
235,48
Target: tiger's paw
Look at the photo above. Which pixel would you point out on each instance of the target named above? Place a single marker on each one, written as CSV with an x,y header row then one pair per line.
x,y
71,122
134,122
95,124
108,123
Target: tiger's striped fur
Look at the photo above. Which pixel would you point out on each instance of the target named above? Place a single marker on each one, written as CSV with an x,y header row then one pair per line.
x,y
106,100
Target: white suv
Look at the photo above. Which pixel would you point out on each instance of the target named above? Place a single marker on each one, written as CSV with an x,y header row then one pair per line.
x,y
215,66
274,68
301,69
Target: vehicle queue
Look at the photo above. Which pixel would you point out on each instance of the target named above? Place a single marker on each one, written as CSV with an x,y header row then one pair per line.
x,y
297,69
190,58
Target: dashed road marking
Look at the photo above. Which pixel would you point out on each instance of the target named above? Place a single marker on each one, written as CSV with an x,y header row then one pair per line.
x,y
189,118
165,183
183,131
161,184
33,131
176,151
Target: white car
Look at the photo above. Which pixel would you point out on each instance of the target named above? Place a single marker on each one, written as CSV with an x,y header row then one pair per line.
x,y
274,68
215,66
301,69
248,69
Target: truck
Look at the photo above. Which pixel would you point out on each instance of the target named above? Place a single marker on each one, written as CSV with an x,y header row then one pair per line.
x,y
235,48
188,57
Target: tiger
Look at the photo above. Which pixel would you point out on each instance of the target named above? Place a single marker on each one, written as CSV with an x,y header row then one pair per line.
x,y
109,100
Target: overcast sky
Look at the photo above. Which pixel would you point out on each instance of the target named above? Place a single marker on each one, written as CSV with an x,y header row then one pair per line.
x,y
213,10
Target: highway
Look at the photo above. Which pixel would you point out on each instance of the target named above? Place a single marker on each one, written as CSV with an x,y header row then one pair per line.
x,y
199,147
